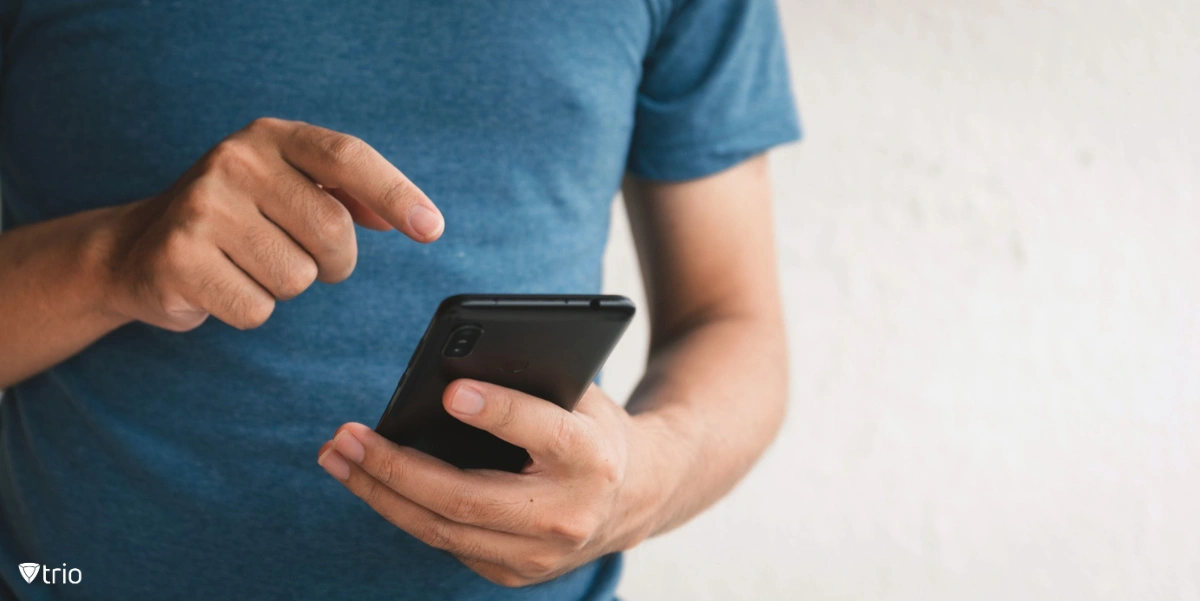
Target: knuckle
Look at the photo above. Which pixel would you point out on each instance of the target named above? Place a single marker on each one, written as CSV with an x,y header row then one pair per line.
x,y
231,156
606,467
269,254
509,579
174,267
262,124
195,206
244,311
505,411
176,252
437,534
296,192
205,281
334,272
566,438
390,469
399,193
564,434
332,225
290,286
335,247
538,565
463,506
343,150
324,218
255,313
288,274
576,528
298,279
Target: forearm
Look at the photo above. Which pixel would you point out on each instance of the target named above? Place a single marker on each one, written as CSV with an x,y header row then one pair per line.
x,y
715,396
52,301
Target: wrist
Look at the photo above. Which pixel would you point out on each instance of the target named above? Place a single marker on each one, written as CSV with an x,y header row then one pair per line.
x,y
99,252
659,468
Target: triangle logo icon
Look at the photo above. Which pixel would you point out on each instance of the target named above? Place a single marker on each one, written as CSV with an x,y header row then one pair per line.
x,y
29,571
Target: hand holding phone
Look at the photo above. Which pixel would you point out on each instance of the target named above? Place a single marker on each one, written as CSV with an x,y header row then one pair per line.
x,y
598,482
492,385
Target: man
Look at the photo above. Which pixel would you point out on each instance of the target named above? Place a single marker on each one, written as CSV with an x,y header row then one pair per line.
x,y
172,364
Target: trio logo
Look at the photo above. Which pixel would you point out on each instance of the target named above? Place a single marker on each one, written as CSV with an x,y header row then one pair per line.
x,y
29,571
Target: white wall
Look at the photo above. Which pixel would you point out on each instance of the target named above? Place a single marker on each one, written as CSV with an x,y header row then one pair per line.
x,y
990,247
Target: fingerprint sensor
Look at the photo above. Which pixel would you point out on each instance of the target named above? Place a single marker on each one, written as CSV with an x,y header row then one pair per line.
x,y
513,366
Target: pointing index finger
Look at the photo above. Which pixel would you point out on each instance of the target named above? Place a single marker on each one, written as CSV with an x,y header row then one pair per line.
x,y
338,160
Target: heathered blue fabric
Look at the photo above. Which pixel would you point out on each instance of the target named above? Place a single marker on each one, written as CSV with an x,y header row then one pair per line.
x,y
182,466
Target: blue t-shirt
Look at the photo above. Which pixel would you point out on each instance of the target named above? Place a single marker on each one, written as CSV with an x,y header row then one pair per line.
x,y
182,466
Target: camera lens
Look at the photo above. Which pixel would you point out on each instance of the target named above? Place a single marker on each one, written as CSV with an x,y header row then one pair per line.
x,y
462,341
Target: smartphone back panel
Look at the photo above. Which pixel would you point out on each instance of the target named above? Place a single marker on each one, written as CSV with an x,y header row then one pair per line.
x,y
550,347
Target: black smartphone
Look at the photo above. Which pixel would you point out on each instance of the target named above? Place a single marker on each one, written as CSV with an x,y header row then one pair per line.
x,y
548,346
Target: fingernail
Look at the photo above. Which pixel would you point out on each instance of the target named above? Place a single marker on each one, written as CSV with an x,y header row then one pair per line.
x,y
425,221
467,401
335,464
349,447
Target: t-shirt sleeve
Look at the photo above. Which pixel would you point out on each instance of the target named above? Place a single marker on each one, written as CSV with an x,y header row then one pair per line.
x,y
714,92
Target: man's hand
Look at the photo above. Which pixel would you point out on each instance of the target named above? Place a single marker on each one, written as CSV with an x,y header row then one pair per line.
x,y
261,216
589,490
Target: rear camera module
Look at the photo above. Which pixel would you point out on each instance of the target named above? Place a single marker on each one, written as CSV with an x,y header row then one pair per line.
x,y
462,341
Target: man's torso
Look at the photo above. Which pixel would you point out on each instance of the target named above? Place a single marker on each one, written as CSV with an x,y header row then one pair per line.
x,y
183,465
